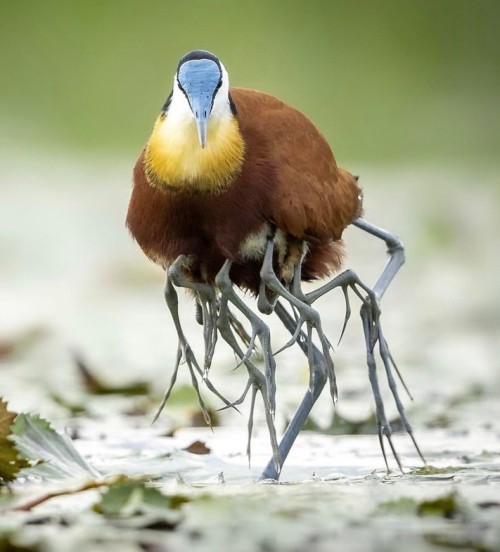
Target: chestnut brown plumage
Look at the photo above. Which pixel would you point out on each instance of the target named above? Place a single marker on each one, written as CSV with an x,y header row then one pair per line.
x,y
289,180
236,187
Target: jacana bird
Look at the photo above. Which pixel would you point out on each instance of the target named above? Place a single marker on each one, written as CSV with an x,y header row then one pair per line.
x,y
236,188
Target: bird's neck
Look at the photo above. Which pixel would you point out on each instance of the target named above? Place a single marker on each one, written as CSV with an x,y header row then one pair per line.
x,y
174,158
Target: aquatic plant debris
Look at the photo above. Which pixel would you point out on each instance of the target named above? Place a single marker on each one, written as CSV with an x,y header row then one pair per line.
x,y
11,461
126,498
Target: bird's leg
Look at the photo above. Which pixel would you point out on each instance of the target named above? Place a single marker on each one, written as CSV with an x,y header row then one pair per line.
x,y
396,252
396,260
370,314
259,329
317,380
185,352
307,314
256,380
206,302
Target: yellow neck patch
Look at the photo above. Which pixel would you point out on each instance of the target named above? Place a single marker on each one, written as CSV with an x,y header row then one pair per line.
x,y
175,159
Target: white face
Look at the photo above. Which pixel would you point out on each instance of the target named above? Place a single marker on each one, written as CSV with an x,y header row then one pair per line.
x,y
197,141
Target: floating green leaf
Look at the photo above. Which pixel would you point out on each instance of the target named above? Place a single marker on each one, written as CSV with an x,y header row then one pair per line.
x,y
446,506
431,470
132,498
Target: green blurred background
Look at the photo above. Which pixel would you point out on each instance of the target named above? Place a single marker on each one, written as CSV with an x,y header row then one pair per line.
x,y
406,92
386,81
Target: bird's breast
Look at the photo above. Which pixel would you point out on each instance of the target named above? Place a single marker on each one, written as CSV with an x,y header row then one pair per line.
x,y
174,158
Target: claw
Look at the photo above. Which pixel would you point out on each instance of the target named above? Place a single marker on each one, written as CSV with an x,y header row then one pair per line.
x,y
295,337
173,379
384,354
250,424
403,383
249,351
394,452
184,352
382,446
347,313
239,401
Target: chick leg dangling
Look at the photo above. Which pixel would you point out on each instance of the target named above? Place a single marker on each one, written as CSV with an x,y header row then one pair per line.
x,y
257,381
184,351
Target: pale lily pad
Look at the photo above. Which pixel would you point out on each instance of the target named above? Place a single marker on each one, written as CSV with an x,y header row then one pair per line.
x,y
54,453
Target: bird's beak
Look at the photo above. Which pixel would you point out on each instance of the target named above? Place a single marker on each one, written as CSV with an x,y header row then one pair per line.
x,y
201,105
